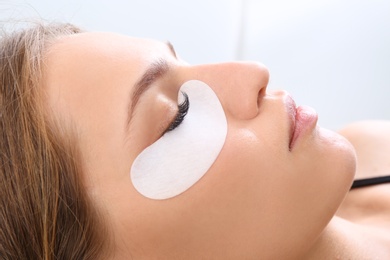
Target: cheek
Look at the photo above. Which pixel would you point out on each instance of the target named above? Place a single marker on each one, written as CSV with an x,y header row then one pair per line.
x,y
269,191
246,175
240,197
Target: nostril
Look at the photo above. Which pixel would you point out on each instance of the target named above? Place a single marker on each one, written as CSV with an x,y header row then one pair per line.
x,y
260,96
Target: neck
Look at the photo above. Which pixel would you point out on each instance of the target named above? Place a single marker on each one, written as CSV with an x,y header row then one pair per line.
x,y
343,239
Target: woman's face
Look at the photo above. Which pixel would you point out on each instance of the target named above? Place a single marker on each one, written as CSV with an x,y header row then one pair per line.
x,y
261,197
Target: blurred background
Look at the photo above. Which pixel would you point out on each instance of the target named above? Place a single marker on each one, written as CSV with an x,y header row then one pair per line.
x,y
333,55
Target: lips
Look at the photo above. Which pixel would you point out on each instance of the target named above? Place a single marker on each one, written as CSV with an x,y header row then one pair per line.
x,y
302,120
292,112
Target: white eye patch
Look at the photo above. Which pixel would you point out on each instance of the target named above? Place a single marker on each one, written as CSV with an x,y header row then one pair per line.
x,y
177,160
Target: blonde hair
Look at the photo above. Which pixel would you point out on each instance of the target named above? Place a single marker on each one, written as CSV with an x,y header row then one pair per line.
x,y
45,212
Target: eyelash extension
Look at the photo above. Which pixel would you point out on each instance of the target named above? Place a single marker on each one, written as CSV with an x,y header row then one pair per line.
x,y
181,113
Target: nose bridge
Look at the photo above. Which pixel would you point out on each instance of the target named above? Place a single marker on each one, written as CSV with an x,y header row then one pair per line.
x,y
239,86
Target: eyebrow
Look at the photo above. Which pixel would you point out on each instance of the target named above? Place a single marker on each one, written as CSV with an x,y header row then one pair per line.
x,y
170,46
155,71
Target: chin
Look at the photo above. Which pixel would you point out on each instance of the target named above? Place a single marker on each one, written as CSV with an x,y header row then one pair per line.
x,y
341,155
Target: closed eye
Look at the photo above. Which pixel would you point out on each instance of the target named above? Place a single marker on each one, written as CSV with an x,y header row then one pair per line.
x,y
181,113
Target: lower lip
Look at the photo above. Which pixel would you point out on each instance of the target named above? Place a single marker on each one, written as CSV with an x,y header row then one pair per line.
x,y
305,120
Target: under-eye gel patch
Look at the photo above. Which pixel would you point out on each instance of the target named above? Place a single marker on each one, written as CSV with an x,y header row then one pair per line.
x,y
177,160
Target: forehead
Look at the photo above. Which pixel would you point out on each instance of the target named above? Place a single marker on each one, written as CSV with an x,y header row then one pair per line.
x,y
82,68
106,45
94,57
88,79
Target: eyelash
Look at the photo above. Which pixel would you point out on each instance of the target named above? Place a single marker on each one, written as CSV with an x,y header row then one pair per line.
x,y
181,113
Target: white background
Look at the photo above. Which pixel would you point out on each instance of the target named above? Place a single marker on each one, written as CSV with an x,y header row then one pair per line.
x,y
333,55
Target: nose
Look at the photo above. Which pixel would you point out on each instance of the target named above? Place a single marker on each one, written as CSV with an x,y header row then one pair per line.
x,y
240,86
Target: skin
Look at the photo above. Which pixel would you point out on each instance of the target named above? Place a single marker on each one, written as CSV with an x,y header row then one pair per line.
x,y
259,199
361,227
369,206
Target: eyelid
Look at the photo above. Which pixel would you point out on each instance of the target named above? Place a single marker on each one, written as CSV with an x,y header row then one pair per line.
x,y
182,111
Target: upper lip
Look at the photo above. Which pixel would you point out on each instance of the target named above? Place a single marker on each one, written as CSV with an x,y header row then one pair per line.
x,y
292,112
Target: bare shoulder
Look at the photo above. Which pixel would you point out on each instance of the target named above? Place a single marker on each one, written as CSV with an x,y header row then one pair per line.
x,y
371,140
